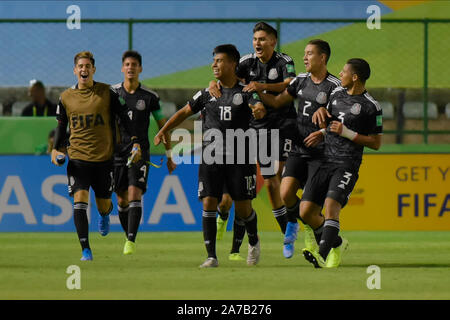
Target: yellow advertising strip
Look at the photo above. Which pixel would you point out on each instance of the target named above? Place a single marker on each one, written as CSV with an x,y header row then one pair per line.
x,y
393,192
400,192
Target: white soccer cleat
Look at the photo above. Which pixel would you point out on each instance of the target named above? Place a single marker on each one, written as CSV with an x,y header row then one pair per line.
x,y
210,263
253,254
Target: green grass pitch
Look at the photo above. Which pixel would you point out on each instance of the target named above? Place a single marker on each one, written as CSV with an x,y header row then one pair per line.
x,y
414,265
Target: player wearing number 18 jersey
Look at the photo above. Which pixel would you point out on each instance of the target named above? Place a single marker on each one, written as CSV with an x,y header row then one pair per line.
x,y
268,71
231,112
356,122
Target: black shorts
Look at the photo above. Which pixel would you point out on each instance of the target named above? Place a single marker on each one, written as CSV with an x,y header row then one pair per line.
x,y
239,179
286,136
298,166
136,175
84,174
330,180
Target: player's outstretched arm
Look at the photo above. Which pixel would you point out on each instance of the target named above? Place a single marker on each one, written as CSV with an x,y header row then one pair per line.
x,y
173,122
278,101
370,141
171,166
272,87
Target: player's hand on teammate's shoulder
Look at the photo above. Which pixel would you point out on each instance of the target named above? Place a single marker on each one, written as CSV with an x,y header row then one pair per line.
x,y
313,139
253,86
258,110
320,116
214,89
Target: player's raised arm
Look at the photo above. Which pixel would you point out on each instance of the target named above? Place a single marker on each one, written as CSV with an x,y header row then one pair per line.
x,y
173,122
278,101
272,87
161,121
60,132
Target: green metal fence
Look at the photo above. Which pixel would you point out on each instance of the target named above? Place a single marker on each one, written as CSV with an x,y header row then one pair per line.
x,y
407,56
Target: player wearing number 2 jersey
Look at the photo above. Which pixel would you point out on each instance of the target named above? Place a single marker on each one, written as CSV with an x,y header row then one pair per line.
x,y
312,89
356,122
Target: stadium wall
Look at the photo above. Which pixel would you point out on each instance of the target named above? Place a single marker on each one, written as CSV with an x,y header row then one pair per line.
x,y
394,192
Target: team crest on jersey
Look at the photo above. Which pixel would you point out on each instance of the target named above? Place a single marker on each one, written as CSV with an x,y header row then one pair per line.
x,y
237,99
356,109
273,74
321,97
140,105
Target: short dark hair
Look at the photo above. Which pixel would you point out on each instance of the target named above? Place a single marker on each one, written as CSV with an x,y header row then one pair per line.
x,y
37,83
84,54
230,50
263,26
360,67
132,54
323,47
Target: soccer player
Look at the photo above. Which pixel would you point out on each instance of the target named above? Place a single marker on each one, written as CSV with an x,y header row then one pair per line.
x,y
356,122
230,112
89,108
269,71
313,90
130,181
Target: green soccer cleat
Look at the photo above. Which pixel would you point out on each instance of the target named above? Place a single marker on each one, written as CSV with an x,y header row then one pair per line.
x,y
235,257
310,239
314,257
221,228
335,256
129,248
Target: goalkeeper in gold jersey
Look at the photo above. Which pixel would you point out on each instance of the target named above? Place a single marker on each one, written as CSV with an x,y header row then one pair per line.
x,y
89,108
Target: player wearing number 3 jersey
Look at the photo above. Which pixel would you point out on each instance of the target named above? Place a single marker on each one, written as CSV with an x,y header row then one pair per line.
x,y
356,122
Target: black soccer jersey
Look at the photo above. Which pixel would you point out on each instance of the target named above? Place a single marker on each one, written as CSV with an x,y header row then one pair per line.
x,y
141,104
230,111
277,69
360,113
311,96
